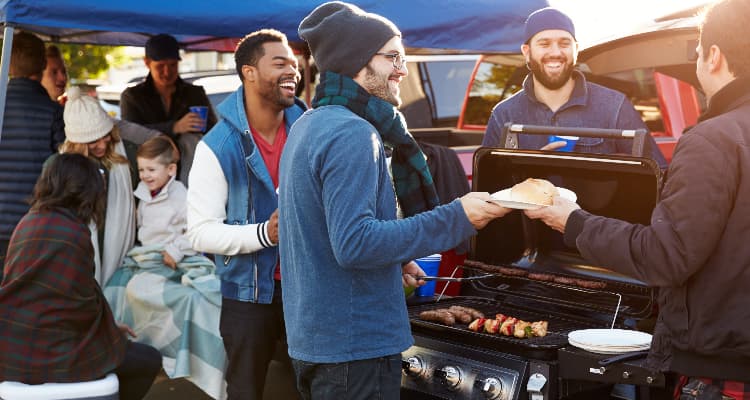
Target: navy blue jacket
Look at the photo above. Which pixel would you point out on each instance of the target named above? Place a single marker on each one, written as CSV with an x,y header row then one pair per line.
x,y
590,106
32,129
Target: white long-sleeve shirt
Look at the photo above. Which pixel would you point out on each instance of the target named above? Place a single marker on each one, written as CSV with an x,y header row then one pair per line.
x,y
206,212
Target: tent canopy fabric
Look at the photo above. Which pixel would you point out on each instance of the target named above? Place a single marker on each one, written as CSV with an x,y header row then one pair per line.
x,y
494,26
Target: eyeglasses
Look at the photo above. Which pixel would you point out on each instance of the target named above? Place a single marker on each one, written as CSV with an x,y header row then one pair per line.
x,y
399,61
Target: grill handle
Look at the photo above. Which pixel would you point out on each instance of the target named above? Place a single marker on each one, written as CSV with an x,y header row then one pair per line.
x,y
509,135
634,355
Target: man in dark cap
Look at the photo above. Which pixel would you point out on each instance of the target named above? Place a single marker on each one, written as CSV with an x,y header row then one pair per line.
x,y
344,253
163,100
556,94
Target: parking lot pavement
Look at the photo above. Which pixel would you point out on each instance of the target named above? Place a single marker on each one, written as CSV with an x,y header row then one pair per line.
x,y
279,386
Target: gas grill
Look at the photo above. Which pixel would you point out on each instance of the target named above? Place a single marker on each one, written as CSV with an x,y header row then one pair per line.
x,y
453,362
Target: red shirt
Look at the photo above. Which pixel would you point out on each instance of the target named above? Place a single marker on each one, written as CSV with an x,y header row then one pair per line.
x,y
271,153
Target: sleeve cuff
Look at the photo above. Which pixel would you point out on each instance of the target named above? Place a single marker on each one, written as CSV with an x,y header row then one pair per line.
x,y
174,252
265,241
574,227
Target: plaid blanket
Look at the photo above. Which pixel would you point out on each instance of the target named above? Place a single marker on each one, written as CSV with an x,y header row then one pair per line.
x,y
176,311
55,325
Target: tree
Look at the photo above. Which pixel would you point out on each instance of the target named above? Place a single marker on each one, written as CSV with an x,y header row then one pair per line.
x,y
85,61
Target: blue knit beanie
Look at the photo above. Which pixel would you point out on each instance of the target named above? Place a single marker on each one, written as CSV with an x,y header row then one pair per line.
x,y
545,19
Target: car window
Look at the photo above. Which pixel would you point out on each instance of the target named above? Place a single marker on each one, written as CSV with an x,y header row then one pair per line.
x,y
493,83
447,81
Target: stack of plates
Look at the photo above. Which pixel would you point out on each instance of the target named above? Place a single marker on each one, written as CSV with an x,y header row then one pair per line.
x,y
610,341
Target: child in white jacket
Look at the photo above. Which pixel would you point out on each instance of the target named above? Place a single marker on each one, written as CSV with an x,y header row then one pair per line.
x,y
162,212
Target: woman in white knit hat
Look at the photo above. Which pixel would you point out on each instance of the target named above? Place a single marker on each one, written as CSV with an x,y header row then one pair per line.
x,y
90,131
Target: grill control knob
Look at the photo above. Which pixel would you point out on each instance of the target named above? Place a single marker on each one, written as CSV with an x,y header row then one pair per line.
x,y
450,376
491,387
413,366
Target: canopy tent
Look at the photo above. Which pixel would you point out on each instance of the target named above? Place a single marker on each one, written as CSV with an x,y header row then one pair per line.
x,y
428,26
475,25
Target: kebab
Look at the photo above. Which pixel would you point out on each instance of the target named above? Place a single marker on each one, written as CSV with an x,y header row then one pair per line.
x,y
510,326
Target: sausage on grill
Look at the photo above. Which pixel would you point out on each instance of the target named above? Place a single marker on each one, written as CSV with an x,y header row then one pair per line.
x,y
460,315
441,316
473,312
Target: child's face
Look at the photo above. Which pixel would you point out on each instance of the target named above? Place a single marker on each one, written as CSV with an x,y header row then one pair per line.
x,y
154,173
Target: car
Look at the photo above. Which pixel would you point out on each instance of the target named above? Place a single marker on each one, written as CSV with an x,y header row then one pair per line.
x,y
218,84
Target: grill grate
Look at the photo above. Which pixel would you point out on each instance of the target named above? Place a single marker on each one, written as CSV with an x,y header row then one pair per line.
x,y
557,335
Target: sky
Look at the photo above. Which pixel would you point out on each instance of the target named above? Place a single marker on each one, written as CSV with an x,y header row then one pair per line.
x,y
601,18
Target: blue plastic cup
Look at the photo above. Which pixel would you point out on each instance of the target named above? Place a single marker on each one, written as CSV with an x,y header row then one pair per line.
x,y
429,265
570,142
202,111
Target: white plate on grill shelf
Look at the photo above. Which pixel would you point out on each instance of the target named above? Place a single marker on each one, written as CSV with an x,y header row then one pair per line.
x,y
603,350
610,341
503,198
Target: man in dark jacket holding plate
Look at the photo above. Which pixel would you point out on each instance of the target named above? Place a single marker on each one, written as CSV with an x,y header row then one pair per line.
x,y
695,249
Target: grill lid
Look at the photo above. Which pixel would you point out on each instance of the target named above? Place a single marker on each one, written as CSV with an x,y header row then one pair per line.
x,y
622,187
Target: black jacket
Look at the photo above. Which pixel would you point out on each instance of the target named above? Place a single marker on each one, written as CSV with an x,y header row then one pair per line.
x,y
32,129
142,104
696,247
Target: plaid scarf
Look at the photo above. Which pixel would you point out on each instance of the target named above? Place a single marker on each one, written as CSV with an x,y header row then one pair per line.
x,y
415,189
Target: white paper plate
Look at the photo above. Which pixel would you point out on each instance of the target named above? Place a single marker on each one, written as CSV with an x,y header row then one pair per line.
x,y
503,198
600,350
610,338
609,348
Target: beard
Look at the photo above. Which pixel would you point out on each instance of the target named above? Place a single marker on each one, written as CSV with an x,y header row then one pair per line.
x,y
272,92
551,82
378,86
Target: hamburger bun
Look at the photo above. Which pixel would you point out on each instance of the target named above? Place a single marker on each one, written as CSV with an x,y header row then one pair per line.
x,y
535,191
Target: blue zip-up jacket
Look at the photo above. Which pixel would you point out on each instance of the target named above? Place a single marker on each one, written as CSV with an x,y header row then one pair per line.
x,y
590,106
251,199
340,242
32,129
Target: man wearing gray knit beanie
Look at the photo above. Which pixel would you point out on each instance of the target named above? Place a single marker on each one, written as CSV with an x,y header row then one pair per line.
x,y
345,255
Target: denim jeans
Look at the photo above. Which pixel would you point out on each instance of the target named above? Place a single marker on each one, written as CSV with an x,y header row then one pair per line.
x,y
250,332
371,379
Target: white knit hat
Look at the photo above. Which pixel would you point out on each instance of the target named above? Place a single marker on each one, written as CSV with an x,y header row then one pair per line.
x,y
85,120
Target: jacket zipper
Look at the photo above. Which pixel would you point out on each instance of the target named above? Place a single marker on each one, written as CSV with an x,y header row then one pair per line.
x,y
252,220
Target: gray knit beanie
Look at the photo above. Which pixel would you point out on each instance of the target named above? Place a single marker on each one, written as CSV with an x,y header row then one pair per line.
x,y
343,38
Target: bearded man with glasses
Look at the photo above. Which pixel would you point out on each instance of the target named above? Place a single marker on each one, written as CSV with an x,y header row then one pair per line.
x,y
345,253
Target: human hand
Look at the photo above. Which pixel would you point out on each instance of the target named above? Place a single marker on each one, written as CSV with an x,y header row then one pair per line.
x,y
190,122
480,210
556,215
126,330
273,227
168,260
554,145
409,271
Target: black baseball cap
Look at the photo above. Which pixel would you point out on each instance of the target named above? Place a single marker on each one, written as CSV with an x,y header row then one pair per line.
x,y
162,47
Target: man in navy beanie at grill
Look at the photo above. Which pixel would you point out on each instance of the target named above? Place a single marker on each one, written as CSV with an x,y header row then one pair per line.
x,y
345,255
556,94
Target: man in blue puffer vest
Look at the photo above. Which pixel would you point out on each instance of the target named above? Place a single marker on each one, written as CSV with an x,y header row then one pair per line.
x,y
232,205
32,129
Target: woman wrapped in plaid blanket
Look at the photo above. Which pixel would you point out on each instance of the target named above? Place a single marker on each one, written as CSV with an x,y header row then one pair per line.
x,y
56,324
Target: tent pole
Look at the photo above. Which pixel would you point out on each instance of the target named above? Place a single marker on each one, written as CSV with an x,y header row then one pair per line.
x,y
4,68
